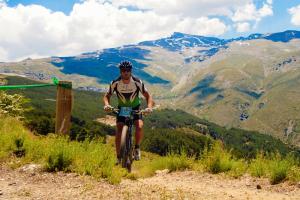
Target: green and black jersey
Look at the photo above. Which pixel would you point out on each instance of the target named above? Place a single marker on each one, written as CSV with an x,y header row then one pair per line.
x,y
128,94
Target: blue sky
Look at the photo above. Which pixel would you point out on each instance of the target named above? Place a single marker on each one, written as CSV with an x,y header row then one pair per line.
x,y
39,28
55,5
280,21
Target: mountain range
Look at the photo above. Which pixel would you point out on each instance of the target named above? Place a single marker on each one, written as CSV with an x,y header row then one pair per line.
x,y
247,82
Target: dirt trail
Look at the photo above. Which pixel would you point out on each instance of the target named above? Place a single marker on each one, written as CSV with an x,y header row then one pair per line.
x,y
31,184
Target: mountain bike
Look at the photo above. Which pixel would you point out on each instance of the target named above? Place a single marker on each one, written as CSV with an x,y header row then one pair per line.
x,y
126,144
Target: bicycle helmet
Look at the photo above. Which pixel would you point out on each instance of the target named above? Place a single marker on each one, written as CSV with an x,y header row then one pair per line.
x,y
125,65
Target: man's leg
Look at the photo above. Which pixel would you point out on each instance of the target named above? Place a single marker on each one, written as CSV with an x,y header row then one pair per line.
x,y
138,137
118,137
138,131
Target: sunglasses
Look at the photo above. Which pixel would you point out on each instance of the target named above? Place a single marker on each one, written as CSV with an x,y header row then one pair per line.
x,y
125,70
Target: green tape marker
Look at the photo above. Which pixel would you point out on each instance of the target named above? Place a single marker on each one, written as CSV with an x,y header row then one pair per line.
x,y
54,80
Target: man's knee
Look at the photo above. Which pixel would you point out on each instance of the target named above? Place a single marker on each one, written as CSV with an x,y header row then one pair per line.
x,y
139,124
119,127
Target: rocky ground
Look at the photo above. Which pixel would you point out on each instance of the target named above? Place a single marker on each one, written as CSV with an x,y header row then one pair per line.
x,y
30,182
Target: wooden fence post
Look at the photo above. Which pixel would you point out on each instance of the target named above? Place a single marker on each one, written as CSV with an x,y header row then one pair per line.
x,y
63,107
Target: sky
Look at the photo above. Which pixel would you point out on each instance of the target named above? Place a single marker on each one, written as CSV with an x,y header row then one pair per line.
x,y
43,28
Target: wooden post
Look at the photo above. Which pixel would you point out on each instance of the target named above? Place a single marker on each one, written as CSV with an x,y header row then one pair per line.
x,y
63,107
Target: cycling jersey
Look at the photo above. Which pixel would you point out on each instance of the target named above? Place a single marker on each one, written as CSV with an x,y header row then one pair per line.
x,y
128,94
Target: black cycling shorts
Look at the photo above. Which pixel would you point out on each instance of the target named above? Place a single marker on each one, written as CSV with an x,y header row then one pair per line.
x,y
135,116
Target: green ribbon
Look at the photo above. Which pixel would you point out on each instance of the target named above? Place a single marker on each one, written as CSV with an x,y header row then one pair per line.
x,y
54,80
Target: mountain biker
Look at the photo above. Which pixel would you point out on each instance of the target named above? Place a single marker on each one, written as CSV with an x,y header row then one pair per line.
x,y
127,88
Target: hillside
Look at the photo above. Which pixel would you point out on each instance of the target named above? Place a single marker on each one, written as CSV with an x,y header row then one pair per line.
x,y
247,82
253,85
165,130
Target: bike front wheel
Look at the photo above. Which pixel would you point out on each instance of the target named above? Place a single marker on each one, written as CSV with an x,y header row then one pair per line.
x,y
123,150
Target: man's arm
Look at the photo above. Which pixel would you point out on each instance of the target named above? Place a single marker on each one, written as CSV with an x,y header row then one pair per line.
x,y
150,102
106,99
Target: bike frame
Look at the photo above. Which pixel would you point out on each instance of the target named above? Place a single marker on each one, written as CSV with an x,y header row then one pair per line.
x,y
126,146
126,142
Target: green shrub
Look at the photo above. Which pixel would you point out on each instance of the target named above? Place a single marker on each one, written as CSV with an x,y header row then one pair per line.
x,y
36,149
59,159
259,166
12,105
172,162
217,159
165,141
19,150
279,168
238,168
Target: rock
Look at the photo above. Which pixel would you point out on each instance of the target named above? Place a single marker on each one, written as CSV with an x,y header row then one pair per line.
x,y
248,181
32,174
31,168
72,175
258,187
160,172
1,193
13,183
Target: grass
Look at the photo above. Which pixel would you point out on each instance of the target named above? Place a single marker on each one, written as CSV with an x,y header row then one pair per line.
x,y
275,167
57,153
94,158
217,160
279,168
259,166
172,162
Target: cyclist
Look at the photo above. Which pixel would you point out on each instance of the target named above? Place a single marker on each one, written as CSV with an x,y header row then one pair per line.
x,y
127,88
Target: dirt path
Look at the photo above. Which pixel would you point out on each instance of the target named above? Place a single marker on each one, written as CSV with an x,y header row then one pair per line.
x,y
30,184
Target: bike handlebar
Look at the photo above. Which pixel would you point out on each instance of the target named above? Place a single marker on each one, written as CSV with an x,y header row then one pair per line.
x,y
143,111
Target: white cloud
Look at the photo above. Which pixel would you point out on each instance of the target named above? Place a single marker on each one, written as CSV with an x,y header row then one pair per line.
x,y
95,24
2,3
295,13
194,8
249,12
38,32
242,27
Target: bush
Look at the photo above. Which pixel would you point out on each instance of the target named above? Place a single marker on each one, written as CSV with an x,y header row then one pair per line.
x,y
19,150
279,168
217,159
259,166
12,105
59,159
172,162
238,168
166,141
